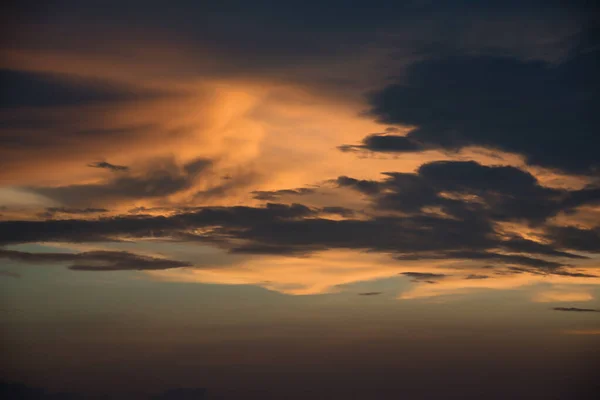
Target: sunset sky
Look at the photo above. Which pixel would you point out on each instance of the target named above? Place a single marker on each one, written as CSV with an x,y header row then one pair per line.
x,y
300,199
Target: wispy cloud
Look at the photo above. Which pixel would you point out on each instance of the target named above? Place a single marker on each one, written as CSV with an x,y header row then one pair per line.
x,y
96,260
561,296
575,309
107,165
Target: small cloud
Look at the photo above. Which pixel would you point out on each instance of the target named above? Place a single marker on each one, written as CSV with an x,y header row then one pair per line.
x,y
427,277
106,165
369,293
381,142
475,276
575,309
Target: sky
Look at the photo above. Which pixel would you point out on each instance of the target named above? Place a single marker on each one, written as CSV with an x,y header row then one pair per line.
x,y
299,199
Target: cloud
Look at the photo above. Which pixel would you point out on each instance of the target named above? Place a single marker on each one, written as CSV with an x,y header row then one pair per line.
x,y
163,179
561,296
38,89
472,198
538,109
273,195
241,37
64,210
575,238
385,144
341,211
51,212
476,276
575,309
106,165
225,220
467,188
297,229
424,276
96,260
370,293
575,274
46,146
515,259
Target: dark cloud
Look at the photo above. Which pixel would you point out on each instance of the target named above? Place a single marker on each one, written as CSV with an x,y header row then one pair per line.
x,y
95,260
517,259
225,187
106,165
283,41
575,238
541,110
472,199
370,293
575,309
274,195
368,187
475,276
40,139
341,211
163,179
466,188
64,210
386,234
520,270
263,248
575,274
224,220
53,211
289,229
385,144
424,276
30,131
35,89
521,245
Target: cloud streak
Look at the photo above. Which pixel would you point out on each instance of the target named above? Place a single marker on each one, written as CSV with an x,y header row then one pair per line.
x,y
95,260
107,165
575,309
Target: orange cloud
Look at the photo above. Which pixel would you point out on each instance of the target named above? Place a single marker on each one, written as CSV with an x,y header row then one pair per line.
x,y
325,272
561,296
